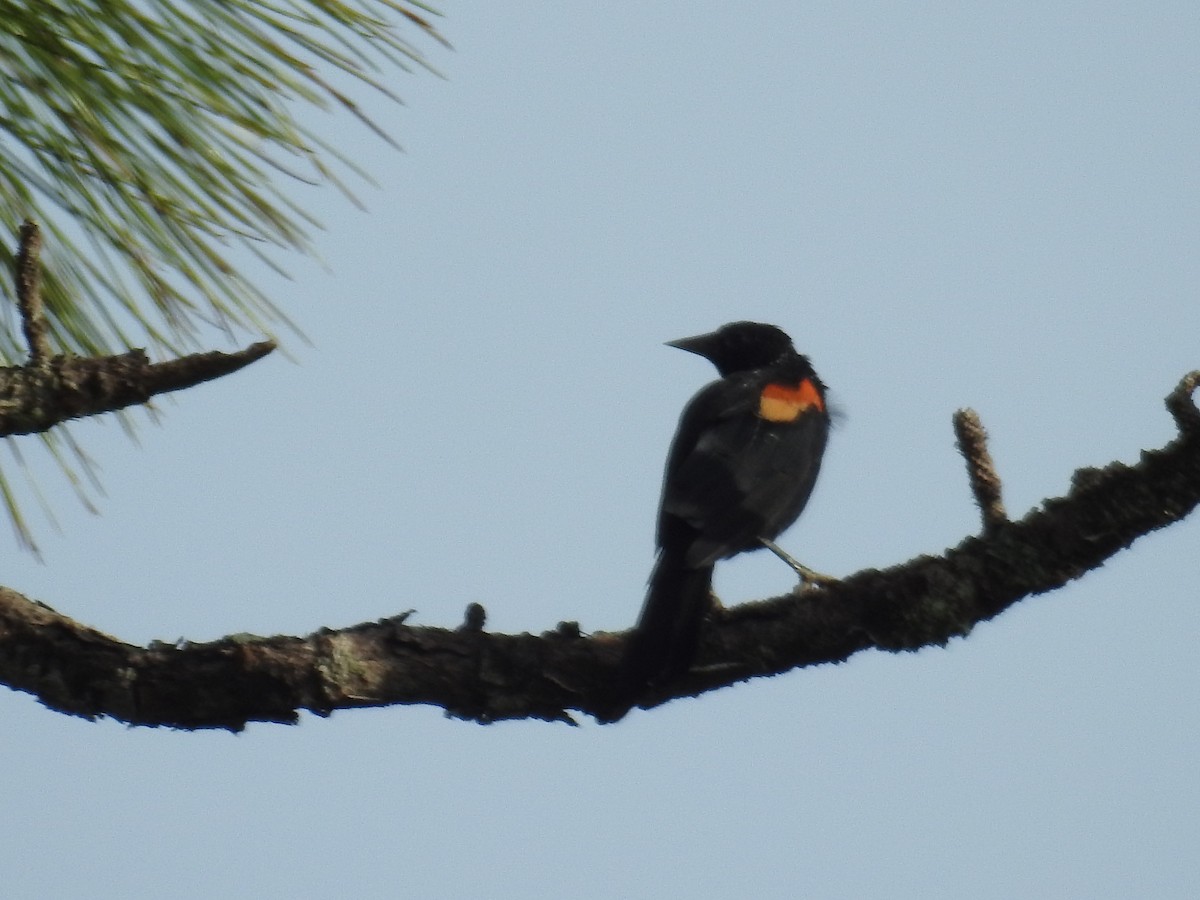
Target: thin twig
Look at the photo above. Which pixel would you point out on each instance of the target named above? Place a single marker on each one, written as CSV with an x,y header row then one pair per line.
x,y
985,483
28,277
1181,405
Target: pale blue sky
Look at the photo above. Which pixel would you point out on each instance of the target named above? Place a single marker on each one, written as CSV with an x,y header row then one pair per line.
x,y
993,205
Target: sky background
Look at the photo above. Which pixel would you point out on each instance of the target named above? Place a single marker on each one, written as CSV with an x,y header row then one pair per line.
x,y
946,205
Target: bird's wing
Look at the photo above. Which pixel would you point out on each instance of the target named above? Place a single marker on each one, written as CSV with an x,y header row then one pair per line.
x,y
734,476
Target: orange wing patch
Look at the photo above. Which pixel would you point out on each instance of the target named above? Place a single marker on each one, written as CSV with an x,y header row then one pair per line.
x,y
785,402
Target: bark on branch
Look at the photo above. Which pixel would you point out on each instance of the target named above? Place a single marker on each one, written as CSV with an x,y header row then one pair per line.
x,y
35,398
485,676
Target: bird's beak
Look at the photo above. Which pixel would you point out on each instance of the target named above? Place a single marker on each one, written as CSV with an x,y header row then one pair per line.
x,y
700,344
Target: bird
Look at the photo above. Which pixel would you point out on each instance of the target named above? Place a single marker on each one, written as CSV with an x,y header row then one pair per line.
x,y
740,470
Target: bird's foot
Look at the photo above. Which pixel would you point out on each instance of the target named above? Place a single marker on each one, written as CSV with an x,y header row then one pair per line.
x,y
808,577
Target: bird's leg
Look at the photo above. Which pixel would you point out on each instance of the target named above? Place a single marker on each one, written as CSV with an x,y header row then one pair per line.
x,y
804,572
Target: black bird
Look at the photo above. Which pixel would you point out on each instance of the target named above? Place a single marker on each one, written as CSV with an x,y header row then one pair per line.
x,y
740,471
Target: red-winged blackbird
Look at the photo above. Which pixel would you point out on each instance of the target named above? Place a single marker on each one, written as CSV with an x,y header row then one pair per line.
x,y
740,471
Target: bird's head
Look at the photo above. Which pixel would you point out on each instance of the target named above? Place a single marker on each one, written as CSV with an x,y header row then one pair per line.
x,y
739,346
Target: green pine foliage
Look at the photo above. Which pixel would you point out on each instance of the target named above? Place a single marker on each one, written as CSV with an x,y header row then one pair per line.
x,y
149,138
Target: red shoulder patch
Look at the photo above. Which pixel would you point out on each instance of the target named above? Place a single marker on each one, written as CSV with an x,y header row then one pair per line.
x,y
785,402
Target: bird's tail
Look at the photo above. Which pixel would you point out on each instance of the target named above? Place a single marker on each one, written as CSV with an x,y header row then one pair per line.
x,y
664,642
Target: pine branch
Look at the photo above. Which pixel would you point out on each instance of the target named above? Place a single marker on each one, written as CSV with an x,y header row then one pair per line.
x,y
151,139
49,390
34,399
158,144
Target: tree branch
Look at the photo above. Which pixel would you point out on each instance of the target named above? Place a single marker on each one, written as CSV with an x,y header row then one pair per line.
x,y
981,471
485,677
49,390
35,398
28,277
